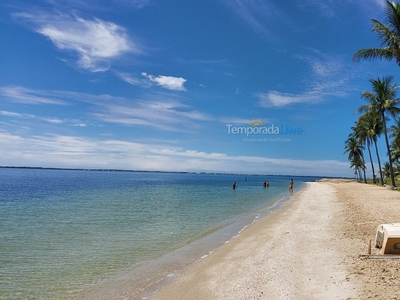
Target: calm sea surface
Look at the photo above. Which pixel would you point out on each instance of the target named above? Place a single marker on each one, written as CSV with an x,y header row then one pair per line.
x,y
65,232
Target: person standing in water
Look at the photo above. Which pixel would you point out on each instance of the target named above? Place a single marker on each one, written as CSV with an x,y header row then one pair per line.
x,y
291,185
234,185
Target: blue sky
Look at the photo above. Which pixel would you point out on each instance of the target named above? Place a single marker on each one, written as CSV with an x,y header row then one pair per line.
x,y
160,84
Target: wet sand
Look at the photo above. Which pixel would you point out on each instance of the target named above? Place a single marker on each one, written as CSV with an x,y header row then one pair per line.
x,y
309,249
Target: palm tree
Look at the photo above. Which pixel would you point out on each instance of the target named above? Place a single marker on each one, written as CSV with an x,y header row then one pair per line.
x,y
395,145
361,131
368,128
382,100
396,166
395,152
354,148
359,165
386,169
389,36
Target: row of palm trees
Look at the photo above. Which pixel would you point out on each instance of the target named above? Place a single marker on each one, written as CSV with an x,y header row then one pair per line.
x,y
381,104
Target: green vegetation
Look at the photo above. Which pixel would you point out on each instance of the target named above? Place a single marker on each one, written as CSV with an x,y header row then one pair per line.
x,y
382,105
388,35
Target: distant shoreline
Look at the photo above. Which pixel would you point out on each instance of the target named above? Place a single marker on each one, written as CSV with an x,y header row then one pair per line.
x,y
177,172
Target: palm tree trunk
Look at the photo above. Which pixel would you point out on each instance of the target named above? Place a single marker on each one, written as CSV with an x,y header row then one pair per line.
x,y
365,175
379,161
372,164
388,150
363,168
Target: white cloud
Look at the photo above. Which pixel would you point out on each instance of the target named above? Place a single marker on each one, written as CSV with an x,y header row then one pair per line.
x,y
10,114
53,120
129,79
30,116
277,99
264,16
100,4
95,42
165,115
333,8
168,82
161,111
260,15
71,151
135,3
28,96
327,77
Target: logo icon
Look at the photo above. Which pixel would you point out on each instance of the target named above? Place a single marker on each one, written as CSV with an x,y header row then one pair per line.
x,y
257,122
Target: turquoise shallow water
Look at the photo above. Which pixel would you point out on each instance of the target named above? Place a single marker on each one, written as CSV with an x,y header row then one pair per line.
x,y
64,232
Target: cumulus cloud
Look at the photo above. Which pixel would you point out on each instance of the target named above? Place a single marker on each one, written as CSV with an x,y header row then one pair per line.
x,y
95,42
168,82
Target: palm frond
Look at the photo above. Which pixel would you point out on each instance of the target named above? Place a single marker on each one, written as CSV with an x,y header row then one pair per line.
x,y
392,13
374,53
387,36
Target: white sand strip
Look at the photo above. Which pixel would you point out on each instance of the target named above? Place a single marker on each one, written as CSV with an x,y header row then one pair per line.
x,y
294,253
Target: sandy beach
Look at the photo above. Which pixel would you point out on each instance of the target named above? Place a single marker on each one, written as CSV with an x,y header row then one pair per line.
x,y
310,249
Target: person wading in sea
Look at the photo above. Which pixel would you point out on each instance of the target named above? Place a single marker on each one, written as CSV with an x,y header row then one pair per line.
x,y
291,184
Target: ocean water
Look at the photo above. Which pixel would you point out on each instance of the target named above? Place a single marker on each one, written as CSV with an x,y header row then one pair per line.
x,y
66,233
